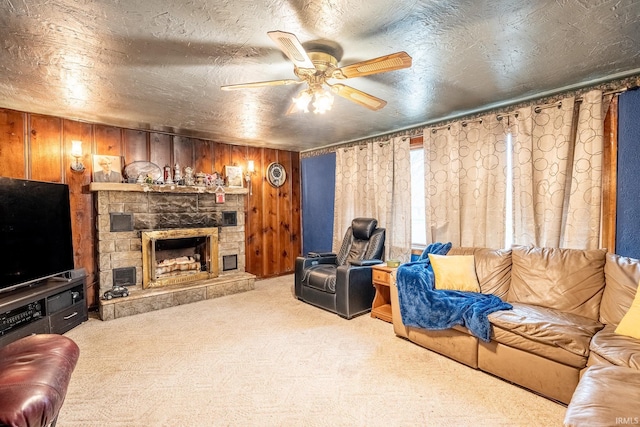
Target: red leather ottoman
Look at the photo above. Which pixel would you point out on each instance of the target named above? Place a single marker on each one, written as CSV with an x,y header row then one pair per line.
x,y
34,376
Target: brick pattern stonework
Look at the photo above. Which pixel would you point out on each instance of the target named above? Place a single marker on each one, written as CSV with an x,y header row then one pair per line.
x,y
157,210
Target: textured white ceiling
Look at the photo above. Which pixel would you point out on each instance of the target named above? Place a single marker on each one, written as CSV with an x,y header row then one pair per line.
x,y
160,64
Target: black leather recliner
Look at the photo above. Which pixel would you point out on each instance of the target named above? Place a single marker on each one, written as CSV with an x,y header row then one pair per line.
x,y
342,283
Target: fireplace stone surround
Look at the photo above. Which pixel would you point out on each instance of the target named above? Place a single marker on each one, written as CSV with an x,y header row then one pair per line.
x,y
149,208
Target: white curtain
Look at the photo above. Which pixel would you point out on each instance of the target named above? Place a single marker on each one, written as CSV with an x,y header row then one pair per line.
x,y
558,173
584,210
465,183
374,180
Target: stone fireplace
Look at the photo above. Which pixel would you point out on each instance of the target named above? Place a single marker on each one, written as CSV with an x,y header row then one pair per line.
x,y
176,242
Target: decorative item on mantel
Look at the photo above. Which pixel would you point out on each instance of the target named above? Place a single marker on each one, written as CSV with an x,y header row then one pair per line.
x,y
177,175
142,172
168,177
234,176
219,182
200,179
107,168
188,176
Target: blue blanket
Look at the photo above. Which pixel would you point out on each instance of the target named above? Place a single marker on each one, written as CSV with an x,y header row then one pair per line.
x,y
423,306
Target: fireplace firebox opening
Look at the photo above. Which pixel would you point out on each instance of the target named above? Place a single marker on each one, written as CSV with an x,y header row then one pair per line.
x,y
179,256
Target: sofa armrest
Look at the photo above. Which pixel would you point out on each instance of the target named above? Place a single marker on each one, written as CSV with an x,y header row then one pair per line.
x,y
396,318
354,290
303,263
320,254
365,262
306,262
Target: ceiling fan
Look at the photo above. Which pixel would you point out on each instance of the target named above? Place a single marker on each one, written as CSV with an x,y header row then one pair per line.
x,y
316,67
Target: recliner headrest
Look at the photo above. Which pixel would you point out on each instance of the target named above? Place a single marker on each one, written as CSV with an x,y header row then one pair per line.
x,y
363,228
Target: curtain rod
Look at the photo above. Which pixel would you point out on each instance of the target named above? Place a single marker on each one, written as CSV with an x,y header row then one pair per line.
x,y
503,115
550,105
615,92
465,123
437,128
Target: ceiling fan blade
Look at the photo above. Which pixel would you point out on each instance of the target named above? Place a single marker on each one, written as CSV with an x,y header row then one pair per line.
x,y
358,96
395,61
291,46
262,84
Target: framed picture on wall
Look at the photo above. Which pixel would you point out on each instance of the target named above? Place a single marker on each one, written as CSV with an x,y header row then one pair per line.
x,y
107,168
234,176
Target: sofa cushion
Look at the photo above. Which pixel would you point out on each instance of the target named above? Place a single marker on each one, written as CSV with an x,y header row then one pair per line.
x,y
606,396
456,272
553,334
493,268
622,275
616,349
568,280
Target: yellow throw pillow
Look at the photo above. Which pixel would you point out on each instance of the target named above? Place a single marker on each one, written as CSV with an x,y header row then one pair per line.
x,y
455,272
630,323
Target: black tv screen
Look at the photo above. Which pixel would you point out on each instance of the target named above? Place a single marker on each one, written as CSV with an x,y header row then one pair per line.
x,y
35,231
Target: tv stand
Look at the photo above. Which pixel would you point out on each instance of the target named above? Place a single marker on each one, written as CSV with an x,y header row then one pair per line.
x,y
54,306
59,279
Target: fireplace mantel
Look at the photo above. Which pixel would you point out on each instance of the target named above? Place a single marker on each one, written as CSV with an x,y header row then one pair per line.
x,y
168,188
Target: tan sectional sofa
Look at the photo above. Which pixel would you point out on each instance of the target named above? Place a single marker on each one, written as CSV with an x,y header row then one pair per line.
x,y
566,305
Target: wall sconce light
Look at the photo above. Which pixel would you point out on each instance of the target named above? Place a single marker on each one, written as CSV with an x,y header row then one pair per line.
x,y
76,153
251,170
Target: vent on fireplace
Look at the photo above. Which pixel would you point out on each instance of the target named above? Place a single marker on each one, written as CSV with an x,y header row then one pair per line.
x,y
121,221
124,276
229,219
229,262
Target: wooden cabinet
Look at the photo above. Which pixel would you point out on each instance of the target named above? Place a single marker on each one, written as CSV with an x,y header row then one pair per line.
x,y
52,307
381,278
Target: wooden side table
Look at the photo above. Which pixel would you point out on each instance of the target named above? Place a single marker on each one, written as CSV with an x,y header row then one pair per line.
x,y
381,278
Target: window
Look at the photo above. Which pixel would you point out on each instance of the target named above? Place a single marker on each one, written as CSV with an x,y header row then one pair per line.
x,y
508,235
418,219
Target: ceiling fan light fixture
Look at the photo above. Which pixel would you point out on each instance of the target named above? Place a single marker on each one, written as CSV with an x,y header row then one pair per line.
x,y
323,101
302,100
319,98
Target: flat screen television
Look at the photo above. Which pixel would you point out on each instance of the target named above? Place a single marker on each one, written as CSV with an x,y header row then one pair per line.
x,y
35,232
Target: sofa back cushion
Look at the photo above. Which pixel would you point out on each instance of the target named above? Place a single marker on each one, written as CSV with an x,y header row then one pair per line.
x,y
621,275
569,280
493,268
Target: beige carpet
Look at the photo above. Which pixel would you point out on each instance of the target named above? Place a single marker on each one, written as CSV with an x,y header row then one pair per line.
x,y
262,358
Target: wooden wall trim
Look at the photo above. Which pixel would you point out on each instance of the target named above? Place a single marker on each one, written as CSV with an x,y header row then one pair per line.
x,y
609,177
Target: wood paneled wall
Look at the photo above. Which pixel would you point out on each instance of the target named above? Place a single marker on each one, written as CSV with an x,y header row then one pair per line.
x,y
38,147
